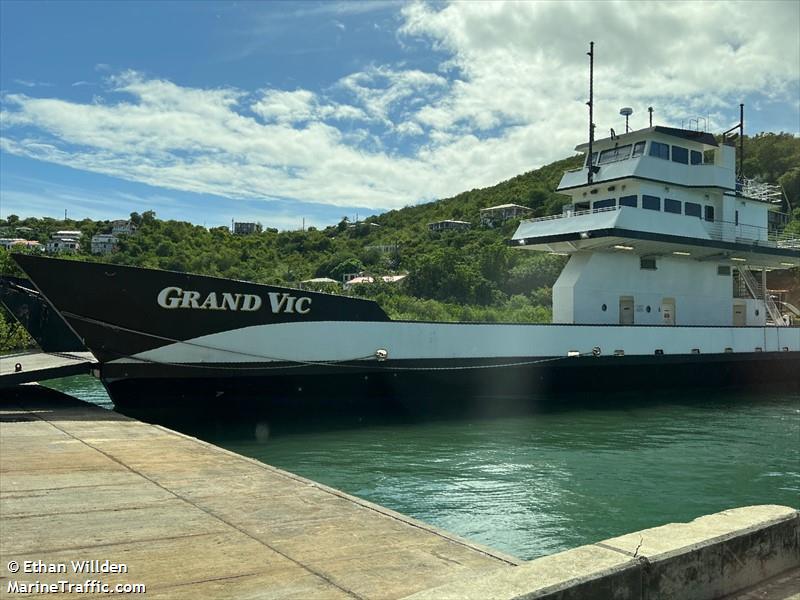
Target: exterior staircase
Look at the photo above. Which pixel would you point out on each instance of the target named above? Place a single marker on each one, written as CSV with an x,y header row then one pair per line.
x,y
757,291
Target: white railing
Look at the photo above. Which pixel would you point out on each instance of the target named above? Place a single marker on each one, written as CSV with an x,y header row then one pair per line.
x,y
759,293
572,213
717,230
757,190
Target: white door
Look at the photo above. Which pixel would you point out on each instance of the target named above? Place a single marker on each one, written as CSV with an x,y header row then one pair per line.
x,y
626,310
668,311
739,315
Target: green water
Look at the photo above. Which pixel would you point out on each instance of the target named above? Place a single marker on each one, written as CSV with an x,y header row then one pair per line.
x,y
540,483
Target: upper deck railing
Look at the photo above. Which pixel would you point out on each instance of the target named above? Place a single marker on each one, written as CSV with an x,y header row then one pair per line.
x,y
717,229
757,190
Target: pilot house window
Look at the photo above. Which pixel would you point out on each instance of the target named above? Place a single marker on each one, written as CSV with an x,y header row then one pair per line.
x,y
680,155
610,202
614,154
659,150
638,149
627,201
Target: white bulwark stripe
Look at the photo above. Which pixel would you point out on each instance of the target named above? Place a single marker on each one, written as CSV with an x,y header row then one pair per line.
x,y
338,341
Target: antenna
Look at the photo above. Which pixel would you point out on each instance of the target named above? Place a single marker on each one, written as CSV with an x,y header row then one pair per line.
x,y
650,110
741,141
590,104
626,112
729,138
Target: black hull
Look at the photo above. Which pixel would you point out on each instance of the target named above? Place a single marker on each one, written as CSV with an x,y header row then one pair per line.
x,y
44,324
117,311
433,387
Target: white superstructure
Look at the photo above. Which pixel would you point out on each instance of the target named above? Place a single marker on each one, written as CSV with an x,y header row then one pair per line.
x,y
663,233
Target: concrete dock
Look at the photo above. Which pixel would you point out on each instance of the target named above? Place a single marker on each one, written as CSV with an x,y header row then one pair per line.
x,y
27,367
190,520
187,519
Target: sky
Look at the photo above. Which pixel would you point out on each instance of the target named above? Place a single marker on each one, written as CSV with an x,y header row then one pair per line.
x,y
304,112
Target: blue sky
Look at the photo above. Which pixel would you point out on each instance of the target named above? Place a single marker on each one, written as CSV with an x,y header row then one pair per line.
x,y
284,111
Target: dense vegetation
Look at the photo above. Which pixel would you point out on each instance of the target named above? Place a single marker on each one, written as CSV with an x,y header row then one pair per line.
x,y
465,275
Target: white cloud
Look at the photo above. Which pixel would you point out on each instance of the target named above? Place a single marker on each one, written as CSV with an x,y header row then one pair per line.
x,y
507,95
382,89
32,84
516,61
301,105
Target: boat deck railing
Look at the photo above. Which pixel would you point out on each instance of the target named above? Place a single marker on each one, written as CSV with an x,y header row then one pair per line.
x,y
717,229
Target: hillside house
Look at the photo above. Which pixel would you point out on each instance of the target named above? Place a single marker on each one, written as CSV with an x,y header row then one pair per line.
x,y
496,215
122,227
448,225
104,243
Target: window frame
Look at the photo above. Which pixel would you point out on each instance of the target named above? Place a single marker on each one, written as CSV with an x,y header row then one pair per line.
x,y
677,206
659,150
683,155
605,203
615,154
648,199
687,206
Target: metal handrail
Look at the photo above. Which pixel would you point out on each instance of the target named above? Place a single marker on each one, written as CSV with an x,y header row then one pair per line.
x,y
576,213
717,229
758,293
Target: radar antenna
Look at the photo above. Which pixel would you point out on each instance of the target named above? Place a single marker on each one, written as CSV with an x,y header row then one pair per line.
x,y
626,112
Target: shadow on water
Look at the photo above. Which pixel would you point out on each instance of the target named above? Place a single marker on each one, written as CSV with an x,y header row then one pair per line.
x,y
246,421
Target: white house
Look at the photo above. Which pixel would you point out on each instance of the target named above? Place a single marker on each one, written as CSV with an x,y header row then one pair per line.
x,y
449,224
123,227
494,215
63,244
104,243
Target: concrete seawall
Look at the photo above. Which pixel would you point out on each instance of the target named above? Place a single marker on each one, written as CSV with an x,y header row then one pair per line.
x,y
191,520
708,558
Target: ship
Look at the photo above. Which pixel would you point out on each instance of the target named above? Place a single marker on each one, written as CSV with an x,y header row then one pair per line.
x,y
665,286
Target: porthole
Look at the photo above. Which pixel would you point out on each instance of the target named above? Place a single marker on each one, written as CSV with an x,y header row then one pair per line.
x,y
757,312
648,309
604,307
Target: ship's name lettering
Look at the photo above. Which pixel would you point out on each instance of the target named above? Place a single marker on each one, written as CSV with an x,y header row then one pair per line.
x,y
175,297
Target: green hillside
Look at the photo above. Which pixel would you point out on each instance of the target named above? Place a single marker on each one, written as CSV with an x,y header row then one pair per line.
x,y
463,275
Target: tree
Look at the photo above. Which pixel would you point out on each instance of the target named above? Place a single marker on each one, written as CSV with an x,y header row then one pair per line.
x,y
790,182
351,265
